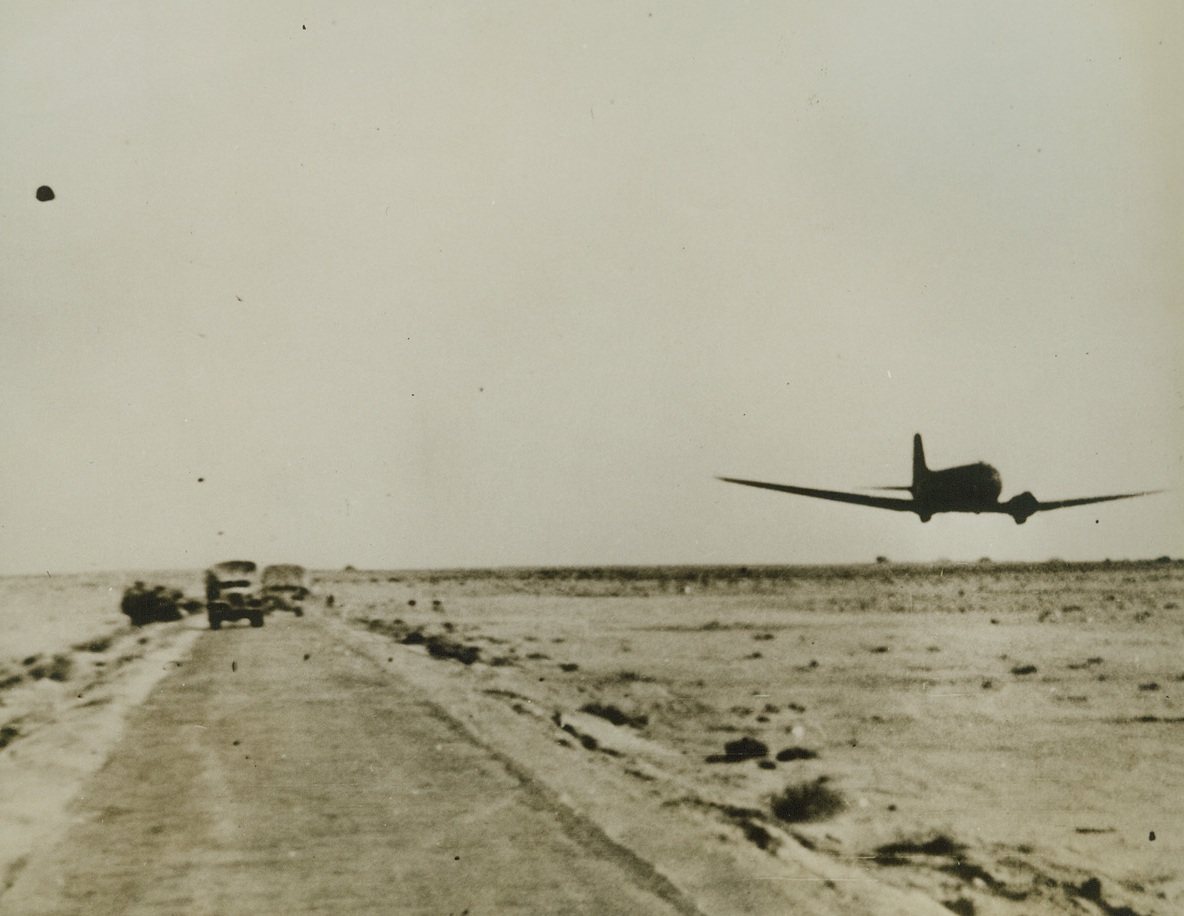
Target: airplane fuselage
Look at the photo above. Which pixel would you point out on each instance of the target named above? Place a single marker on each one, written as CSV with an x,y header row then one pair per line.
x,y
968,488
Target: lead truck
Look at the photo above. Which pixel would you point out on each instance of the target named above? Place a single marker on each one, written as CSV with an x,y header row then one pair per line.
x,y
234,592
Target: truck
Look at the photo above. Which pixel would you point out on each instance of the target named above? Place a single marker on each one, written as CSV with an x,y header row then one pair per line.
x,y
233,592
285,588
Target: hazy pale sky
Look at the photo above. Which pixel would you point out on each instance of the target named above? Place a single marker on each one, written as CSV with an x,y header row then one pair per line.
x,y
445,284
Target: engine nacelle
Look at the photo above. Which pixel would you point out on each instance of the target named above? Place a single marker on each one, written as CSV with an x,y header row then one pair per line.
x,y
1022,507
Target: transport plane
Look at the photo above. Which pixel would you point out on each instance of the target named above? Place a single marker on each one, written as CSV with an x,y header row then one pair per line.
x,y
968,488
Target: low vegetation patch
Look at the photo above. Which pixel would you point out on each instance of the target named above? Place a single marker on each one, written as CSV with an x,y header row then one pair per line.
x,y
441,647
749,821
95,645
614,715
437,646
632,677
807,801
796,753
58,668
900,852
1091,889
741,749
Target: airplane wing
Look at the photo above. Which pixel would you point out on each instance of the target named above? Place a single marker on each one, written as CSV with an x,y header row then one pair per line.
x,y
1085,501
859,499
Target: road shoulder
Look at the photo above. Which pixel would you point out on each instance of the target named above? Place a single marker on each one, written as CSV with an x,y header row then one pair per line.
x,y
68,737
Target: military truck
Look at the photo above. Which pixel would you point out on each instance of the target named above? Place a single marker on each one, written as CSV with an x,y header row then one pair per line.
x,y
285,587
233,593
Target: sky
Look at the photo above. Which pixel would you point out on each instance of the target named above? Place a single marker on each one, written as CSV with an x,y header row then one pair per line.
x,y
495,284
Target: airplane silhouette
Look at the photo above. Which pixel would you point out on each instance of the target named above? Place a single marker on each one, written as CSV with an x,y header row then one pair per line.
x,y
968,488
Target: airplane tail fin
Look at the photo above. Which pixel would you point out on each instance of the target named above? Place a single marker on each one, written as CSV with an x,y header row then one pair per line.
x,y
919,468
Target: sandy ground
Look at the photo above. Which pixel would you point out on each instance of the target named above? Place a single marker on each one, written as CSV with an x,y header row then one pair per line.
x,y
995,740
1004,740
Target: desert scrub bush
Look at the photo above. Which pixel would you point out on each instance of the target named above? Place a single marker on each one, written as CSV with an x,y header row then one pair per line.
x,y
899,853
9,677
807,801
59,668
615,715
95,645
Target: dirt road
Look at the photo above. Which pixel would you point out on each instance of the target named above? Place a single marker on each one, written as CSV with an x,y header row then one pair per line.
x,y
279,771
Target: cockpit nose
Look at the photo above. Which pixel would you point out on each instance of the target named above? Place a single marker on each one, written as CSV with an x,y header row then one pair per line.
x,y
994,483
987,484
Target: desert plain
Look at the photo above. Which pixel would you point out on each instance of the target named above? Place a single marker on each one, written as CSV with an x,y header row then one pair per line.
x,y
976,738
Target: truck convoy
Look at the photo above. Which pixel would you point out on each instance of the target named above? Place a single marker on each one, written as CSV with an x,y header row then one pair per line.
x,y
235,590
